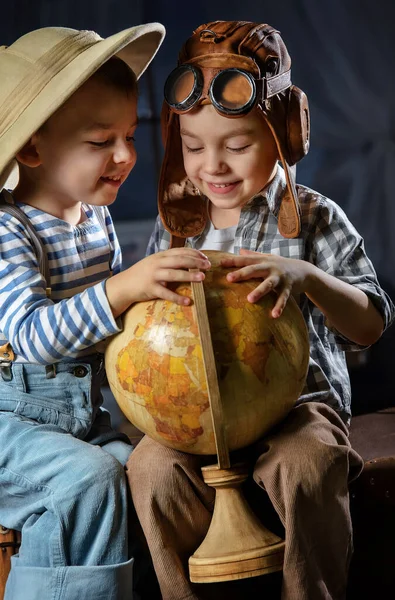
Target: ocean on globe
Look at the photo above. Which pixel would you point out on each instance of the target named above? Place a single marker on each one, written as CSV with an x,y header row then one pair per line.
x,y
156,372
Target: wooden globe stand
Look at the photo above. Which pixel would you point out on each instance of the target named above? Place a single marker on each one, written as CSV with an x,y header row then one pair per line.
x,y
237,545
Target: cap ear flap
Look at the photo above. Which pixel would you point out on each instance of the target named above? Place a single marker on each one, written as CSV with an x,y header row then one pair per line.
x,y
182,210
298,125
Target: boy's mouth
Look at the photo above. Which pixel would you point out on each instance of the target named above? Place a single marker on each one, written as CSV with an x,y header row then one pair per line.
x,y
114,180
222,188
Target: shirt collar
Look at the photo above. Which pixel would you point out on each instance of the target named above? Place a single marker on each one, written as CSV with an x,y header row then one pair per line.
x,y
272,193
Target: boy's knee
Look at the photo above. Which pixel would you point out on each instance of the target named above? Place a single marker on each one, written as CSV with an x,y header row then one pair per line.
x,y
321,466
309,467
103,474
152,466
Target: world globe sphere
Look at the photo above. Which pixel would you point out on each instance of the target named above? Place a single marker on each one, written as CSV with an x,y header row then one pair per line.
x,y
156,372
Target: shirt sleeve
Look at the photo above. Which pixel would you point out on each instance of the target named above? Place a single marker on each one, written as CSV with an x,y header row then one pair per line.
x,y
38,329
159,240
338,249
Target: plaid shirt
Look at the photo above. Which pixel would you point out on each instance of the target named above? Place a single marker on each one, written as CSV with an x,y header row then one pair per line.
x,y
329,241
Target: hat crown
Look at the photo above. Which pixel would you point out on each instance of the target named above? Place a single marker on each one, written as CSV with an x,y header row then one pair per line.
x,y
32,61
260,43
34,44
40,50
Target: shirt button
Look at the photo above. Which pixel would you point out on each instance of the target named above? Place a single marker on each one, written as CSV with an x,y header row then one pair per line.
x,y
80,371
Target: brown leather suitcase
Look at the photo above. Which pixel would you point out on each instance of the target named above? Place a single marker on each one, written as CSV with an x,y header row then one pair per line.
x,y
9,544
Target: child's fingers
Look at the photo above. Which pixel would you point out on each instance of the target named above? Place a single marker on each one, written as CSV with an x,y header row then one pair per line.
x,y
248,272
165,294
281,302
179,275
250,252
184,262
239,261
247,258
268,285
183,252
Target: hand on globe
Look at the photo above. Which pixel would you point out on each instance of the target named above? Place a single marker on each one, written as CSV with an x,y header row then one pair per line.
x,y
152,274
148,278
283,275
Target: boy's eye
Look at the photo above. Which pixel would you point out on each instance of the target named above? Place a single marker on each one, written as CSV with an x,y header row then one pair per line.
x,y
188,149
99,144
104,143
240,149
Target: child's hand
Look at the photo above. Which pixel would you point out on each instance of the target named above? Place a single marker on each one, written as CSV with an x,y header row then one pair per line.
x,y
148,278
152,274
283,275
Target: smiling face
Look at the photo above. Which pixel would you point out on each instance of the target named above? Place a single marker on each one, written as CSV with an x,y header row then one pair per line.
x,y
85,151
228,160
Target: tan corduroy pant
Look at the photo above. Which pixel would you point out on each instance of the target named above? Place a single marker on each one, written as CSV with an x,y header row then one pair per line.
x,y
304,466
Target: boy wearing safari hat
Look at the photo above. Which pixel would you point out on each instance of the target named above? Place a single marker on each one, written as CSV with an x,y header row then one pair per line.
x,y
68,113
230,115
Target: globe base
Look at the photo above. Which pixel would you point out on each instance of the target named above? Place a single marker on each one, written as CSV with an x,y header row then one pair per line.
x,y
237,545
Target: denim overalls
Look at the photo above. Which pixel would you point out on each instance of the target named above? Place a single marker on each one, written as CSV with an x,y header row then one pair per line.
x,y
67,496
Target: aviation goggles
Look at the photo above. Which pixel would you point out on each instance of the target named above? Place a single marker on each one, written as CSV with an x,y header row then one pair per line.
x,y
232,92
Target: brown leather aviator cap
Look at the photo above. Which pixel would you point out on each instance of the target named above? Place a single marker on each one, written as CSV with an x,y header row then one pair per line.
x,y
258,51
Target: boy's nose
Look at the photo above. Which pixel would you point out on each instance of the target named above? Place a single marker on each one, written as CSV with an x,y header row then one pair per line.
x,y
214,164
124,152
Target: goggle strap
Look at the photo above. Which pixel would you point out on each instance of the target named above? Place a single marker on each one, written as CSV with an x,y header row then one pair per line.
x,y
274,85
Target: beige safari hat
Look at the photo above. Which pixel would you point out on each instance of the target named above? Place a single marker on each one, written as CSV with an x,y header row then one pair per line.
x,y
43,68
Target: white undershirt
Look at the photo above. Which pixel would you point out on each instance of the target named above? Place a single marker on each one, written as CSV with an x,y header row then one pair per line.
x,y
217,239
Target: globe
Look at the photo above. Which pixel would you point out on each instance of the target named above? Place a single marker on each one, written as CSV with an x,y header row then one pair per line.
x,y
156,372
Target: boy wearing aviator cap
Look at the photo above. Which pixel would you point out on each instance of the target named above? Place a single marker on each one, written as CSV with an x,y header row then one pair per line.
x,y
231,115
68,113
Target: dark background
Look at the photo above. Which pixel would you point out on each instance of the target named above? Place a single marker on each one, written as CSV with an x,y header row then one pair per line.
x,y
343,58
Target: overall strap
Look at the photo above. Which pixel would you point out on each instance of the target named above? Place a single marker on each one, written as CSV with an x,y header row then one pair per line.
x,y
7,205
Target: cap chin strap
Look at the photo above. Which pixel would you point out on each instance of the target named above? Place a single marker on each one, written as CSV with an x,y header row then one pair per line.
x,y
289,212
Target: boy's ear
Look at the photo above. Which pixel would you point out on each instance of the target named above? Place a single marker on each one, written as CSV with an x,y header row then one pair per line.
x,y
28,155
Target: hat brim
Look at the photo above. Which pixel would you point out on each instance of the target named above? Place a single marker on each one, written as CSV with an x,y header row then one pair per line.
x,y
136,46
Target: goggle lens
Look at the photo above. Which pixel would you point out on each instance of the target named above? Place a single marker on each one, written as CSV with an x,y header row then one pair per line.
x,y
233,91
183,88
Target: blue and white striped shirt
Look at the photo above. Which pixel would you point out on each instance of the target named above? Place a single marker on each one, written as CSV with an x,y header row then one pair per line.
x,y
77,316
329,241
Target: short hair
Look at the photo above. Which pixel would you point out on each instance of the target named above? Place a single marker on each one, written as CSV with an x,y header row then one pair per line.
x,y
116,73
